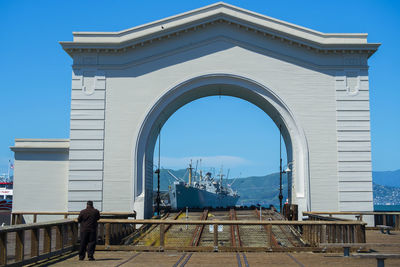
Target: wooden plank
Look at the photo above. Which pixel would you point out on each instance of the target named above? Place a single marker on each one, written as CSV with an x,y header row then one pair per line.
x,y
241,222
3,248
19,245
162,236
59,237
34,243
215,237
108,234
47,240
269,235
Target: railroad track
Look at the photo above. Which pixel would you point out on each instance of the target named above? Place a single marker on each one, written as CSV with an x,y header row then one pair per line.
x,y
234,236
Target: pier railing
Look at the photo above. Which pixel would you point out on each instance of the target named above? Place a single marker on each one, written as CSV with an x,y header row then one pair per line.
x,y
28,243
162,235
380,217
17,216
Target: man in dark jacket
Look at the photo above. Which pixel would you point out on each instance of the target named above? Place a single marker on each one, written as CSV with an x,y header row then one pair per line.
x,y
88,219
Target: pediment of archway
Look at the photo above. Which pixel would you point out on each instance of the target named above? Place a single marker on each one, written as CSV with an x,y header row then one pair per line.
x,y
199,21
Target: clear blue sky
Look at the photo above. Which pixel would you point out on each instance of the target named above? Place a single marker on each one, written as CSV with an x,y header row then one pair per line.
x,y
36,75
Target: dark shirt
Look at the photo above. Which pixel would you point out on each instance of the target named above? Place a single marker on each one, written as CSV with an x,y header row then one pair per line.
x,y
88,219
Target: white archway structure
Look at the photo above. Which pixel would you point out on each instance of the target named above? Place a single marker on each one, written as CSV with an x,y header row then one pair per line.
x,y
126,84
220,84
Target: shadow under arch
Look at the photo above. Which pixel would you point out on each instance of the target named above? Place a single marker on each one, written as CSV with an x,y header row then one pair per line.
x,y
229,85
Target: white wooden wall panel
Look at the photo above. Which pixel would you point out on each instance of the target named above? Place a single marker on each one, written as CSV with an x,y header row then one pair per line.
x,y
352,115
86,154
86,144
86,137
82,165
85,185
354,176
356,196
353,126
87,134
88,104
80,114
355,156
87,125
78,94
354,141
343,95
86,175
356,105
84,195
355,205
361,186
354,136
80,205
354,146
355,166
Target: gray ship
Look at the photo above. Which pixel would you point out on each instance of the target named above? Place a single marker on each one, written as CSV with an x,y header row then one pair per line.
x,y
204,191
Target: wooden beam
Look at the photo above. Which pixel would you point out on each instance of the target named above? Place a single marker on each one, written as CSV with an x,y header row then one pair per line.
x,y
47,240
3,249
34,243
19,245
59,237
108,234
215,237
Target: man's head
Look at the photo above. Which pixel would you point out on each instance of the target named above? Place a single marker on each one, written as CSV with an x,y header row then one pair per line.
x,y
89,204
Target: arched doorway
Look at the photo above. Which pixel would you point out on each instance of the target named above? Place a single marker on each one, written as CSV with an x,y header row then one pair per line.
x,y
219,84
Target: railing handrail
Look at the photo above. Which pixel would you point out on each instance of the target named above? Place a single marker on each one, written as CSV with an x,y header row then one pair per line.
x,y
129,214
209,222
30,226
351,213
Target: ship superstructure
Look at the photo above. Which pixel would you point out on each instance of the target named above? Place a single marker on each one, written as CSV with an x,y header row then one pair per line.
x,y
201,192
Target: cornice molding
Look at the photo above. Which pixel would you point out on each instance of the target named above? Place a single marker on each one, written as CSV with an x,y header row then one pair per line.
x,y
220,13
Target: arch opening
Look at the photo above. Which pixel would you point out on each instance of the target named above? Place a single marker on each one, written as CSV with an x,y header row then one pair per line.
x,y
212,85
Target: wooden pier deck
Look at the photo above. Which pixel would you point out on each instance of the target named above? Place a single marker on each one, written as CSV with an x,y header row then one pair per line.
x,y
241,237
380,243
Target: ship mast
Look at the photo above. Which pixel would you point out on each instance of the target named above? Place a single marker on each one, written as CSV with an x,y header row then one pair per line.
x,y
190,173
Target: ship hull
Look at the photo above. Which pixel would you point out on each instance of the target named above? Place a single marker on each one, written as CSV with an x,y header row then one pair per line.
x,y
182,196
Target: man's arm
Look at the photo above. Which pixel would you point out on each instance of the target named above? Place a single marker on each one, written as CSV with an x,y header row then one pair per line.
x,y
80,217
97,215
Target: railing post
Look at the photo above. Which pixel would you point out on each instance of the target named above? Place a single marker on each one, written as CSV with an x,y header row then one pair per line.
x,y
162,236
101,231
269,234
397,222
108,234
19,245
3,248
74,233
65,215
59,237
34,242
384,219
19,219
34,218
215,237
47,240
12,219
323,233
